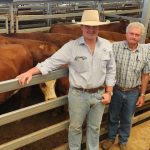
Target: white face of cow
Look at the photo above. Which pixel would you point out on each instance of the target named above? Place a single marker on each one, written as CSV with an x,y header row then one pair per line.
x,y
48,89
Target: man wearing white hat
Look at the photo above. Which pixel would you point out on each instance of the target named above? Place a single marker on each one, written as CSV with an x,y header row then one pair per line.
x,y
91,65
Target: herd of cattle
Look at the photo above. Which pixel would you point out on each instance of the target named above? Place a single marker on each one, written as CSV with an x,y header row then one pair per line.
x,y
21,51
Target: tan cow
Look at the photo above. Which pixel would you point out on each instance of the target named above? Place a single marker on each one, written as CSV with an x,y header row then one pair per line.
x,y
119,26
57,38
39,51
112,36
15,59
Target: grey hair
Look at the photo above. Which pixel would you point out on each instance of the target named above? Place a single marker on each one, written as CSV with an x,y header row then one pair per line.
x,y
136,25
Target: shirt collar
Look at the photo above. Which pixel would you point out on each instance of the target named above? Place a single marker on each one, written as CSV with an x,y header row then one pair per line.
x,y
127,47
82,41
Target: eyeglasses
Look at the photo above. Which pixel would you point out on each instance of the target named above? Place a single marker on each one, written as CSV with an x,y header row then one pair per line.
x,y
134,34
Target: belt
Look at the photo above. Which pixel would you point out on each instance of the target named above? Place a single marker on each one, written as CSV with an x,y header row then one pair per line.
x,y
126,89
92,90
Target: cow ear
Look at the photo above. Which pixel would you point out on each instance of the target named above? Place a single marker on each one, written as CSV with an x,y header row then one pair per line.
x,y
41,46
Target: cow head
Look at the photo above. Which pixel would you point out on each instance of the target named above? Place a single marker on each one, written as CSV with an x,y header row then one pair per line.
x,y
48,89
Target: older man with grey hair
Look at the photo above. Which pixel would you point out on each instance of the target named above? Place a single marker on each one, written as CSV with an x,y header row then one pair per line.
x,y
132,76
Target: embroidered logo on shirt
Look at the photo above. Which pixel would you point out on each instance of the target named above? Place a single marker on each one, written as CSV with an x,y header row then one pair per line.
x,y
80,58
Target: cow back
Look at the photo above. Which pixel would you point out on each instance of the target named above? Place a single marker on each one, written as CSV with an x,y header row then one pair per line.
x,y
15,59
40,50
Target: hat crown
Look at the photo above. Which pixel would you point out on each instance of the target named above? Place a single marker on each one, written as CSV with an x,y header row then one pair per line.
x,y
91,18
90,15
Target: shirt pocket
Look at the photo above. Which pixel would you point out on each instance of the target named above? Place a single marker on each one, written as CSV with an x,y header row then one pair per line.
x,y
119,61
138,65
81,66
104,60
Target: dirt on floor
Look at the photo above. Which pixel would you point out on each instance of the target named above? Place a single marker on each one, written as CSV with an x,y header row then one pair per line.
x,y
139,138
29,125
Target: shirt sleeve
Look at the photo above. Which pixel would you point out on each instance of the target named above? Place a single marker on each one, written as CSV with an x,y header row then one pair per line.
x,y
111,70
146,68
59,58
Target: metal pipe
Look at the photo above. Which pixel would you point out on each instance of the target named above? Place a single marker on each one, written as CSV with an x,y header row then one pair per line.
x,y
145,17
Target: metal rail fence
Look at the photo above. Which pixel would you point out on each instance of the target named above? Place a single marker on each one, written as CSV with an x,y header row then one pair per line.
x,y
4,21
33,16
44,106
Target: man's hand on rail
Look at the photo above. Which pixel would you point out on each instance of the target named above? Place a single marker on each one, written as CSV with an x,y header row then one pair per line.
x,y
26,77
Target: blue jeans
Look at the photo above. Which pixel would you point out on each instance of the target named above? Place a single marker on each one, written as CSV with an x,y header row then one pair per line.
x,y
84,105
121,111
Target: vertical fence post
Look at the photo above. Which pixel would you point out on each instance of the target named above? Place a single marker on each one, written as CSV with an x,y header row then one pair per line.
x,y
11,18
145,17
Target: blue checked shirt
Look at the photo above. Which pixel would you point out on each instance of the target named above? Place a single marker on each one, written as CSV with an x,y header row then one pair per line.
x,y
85,70
130,65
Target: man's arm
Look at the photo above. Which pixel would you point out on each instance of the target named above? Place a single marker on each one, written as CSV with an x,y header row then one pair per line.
x,y
144,84
107,95
110,79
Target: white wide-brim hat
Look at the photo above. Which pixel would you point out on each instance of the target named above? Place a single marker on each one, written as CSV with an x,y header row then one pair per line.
x,y
91,18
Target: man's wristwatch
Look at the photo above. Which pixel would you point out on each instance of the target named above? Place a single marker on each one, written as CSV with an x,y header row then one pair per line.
x,y
142,94
110,93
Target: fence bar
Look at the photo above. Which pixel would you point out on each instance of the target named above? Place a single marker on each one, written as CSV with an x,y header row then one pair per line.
x,y
32,110
13,84
39,29
35,136
32,17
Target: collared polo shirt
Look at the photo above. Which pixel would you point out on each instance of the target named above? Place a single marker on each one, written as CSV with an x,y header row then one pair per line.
x,y
86,70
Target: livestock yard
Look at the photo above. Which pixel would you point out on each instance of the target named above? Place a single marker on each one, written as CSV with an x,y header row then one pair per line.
x,y
35,116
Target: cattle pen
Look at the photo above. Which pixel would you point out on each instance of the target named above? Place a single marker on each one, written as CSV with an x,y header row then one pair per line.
x,y
36,126
44,106
17,16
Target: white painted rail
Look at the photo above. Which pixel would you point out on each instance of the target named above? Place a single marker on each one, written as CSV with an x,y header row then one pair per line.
x,y
4,29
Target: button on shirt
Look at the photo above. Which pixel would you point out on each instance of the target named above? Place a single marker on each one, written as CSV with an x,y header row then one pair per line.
x,y
85,70
130,64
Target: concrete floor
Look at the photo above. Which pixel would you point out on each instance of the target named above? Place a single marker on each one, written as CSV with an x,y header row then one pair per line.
x,y
139,138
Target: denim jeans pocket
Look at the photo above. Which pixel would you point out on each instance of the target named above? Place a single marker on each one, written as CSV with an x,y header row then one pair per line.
x,y
98,96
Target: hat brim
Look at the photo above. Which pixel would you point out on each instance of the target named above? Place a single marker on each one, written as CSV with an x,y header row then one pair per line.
x,y
92,23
